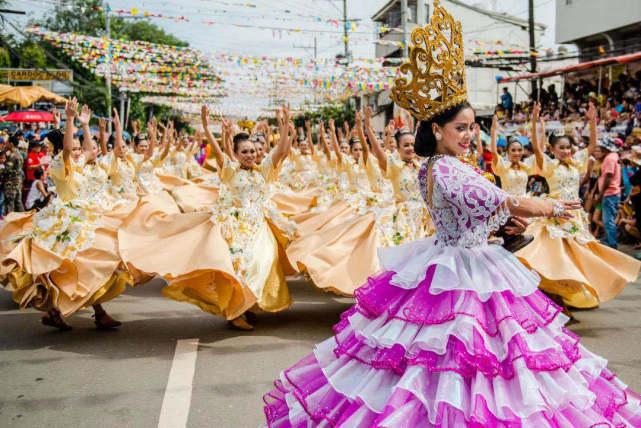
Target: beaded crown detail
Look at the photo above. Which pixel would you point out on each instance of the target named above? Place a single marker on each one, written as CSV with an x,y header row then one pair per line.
x,y
434,78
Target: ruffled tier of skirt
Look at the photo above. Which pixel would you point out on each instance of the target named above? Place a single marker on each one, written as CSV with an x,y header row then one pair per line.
x,y
485,348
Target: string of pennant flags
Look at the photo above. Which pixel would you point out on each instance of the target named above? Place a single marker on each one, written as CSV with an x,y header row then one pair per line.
x,y
477,47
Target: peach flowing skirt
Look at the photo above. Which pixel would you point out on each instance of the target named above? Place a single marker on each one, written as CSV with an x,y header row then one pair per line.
x,y
337,248
44,280
189,251
582,274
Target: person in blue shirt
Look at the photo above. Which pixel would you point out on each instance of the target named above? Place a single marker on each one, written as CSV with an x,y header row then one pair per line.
x,y
506,102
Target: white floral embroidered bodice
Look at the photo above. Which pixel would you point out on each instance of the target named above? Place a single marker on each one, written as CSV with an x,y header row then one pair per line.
x,y
465,207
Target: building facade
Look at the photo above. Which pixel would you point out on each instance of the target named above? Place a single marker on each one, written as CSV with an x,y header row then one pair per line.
x,y
480,27
599,28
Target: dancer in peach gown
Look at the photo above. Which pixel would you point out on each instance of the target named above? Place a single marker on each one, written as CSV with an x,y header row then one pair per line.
x,y
571,262
231,259
338,248
65,257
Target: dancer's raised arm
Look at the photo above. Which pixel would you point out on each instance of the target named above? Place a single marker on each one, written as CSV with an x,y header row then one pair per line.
x,y
102,136
151,131
537,146
323,139
358,127
119,142
377,149
284,146
332,134
308,136
591,116
493,145
84,118
71,110
215,147
167,139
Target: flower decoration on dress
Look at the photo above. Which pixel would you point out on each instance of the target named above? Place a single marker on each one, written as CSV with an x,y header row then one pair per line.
x,y
434,78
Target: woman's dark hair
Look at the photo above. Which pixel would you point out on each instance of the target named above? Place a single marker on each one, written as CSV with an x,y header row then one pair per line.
x,y
38,173
557,138
425,144
55,137
239,138
400,133
138,138
513,141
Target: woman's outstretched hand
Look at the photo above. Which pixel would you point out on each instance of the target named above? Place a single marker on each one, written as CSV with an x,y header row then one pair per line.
x,y
563,209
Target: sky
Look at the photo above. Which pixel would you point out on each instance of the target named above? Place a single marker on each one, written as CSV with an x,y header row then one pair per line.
x,y
213,27
225,37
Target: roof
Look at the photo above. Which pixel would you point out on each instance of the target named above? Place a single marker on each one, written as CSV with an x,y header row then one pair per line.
x,y
504,17
621,59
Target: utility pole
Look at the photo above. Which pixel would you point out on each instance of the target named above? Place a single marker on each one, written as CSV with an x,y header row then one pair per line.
x,y
404,28
107,10
345,36
532,47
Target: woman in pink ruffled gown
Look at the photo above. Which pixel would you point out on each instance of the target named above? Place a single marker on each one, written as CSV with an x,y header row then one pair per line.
x,y
454,332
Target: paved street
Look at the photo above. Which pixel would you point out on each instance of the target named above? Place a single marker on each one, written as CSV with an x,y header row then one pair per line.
x,y
87,378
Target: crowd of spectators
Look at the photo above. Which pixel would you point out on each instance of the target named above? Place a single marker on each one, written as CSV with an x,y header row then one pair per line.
x,y
615,168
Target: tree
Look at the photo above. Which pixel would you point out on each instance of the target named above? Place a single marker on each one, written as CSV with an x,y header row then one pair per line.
x,y
146,32
87,17
5,58
31,56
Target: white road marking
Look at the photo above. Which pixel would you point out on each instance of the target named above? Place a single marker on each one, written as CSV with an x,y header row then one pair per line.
x,y
177,400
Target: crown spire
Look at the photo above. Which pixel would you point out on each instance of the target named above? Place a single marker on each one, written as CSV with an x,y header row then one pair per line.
x,y
433,79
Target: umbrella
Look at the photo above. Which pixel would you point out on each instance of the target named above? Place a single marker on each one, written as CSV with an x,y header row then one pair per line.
x,y
31,116
24,96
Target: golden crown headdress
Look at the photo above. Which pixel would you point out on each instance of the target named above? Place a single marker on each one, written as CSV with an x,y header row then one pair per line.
x,y
437,68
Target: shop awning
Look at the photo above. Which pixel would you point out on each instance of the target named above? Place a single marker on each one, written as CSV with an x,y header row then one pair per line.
x,y
31,116
622,59
24,96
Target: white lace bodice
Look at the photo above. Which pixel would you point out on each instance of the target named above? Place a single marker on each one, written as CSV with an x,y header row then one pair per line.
x,y
465,207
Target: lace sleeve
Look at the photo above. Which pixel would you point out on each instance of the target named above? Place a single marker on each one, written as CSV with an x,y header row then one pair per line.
x,y
269,170
228,170
475,200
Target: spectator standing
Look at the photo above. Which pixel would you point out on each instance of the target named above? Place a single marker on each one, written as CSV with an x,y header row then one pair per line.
x,y
609,190
507,102
12,178
33,161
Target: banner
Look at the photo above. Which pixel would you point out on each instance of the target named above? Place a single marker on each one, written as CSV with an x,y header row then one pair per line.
x,y
29,75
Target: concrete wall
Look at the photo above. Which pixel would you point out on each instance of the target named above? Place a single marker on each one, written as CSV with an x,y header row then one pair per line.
x,y
580,18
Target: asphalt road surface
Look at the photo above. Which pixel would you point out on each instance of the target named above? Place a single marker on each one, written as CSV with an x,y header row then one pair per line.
x,y
172,365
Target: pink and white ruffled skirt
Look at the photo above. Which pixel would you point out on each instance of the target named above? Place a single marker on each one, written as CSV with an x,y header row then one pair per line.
x,y
451,337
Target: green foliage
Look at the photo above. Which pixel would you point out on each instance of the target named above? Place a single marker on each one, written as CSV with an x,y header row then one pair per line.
x,y
77,16
31,56
5,58
87,17
144,31
339,112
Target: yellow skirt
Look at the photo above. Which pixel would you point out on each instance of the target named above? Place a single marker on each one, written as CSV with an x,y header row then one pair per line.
x,y
44,280
295,203
337,248
189,251
195,197
582,274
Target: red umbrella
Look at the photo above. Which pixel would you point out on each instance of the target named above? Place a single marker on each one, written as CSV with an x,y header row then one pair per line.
x,y
28,116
